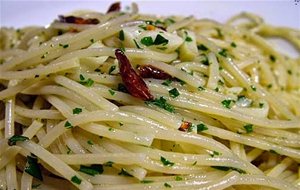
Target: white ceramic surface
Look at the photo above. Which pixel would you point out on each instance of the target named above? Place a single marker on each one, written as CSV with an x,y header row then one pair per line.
x,y
20,13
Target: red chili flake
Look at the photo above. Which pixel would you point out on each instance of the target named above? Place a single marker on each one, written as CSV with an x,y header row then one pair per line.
x,y
185,126
148,71
114,7
132,81
77,20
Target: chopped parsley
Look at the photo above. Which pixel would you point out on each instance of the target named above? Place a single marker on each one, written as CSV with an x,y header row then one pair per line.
x,y
76,180
178,178
44,55
202,47
111,69
147,41
223,52
77,110
162,103
174,93
226,168
215,153
201,88
111,92
269,86
32,168
248,128
81,77
92,40
124,173
201,127
69,150
233,44
64,45
226,103
166,162
194,163
160,40
167,185
12,140
188,39
90,142
167,82
261,105
289,72
68,125
111,129
272,58
121,35
89,82
92,170
253,87
146,181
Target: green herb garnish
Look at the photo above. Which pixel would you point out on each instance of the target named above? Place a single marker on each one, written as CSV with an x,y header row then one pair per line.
x,y
77,110
92,170
233,44
223,52
188,39
32,168
108,164
167,185
147,41
12,140
111,69
272,58
160,40
121,35
68,125
146,181
201,127
178,178
202,47
174,93
64,45
76,180
253,87
226,168
90,142
226,103
167,82
248,128
111,92
166,162
162,103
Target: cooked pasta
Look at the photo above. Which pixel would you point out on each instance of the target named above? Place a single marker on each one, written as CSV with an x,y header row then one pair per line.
x,y
125,100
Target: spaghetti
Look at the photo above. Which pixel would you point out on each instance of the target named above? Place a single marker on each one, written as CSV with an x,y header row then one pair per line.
x,y
132,101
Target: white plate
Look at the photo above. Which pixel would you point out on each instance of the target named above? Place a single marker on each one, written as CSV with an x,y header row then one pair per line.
x,y
19,13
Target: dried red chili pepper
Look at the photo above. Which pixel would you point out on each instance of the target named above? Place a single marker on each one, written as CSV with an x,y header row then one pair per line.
x,y
132,81
185,126
114,7
77,20
148,71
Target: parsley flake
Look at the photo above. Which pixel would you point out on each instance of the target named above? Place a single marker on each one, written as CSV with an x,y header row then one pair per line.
x,y
174,93
12,140
92,170
201,127
64,45
226,103
68,125
32,168
162,103
112,92
202,47
77,110
167,185
248,128
121,35
166,162
76,180
147,41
